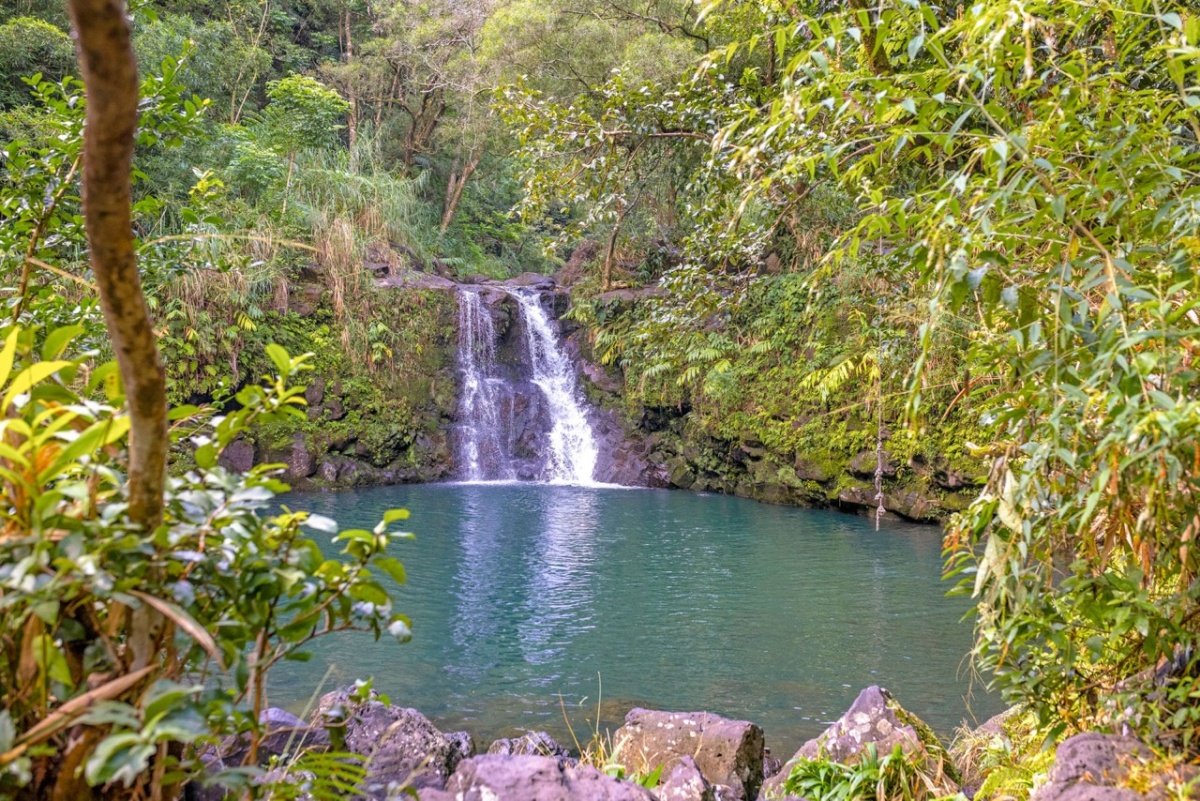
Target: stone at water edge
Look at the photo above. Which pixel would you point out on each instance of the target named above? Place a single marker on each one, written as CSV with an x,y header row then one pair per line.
x,y
874,717
499,777
727,752
685,783
401,746
534,743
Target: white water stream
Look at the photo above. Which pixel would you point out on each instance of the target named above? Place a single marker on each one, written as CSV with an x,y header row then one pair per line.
x,y
486,405
572,454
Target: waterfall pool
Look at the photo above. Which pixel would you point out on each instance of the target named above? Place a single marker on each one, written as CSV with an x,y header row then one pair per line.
x,y
524,594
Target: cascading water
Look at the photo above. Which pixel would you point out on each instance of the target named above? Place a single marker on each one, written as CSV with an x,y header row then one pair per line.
x,y
482,449
522,420
572,452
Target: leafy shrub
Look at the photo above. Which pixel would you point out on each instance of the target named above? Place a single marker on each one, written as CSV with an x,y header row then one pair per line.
x,y
124,649
873,777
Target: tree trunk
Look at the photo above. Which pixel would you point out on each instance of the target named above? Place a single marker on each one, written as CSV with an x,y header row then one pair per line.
x,y
606,279
454,191
111,78
352,113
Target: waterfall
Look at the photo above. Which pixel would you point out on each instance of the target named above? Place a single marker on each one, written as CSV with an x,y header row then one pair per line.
x,y
520,416
572,452
482,450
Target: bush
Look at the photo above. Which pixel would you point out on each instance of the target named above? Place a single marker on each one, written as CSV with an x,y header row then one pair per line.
x,y
125,649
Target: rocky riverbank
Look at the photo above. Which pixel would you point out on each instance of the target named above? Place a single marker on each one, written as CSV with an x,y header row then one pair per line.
x,y
669,756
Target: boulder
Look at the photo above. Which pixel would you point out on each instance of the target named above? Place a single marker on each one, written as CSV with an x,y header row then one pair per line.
x,y
238,456
536,743
685,783
727,752
876,718
299,460
499,777
1096,767
285,734
314,393
401,747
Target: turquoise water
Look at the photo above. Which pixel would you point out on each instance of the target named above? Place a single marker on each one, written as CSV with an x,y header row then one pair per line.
x,y
611,598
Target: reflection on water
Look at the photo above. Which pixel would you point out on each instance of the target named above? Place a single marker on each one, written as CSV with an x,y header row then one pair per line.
x,y
558,603
521,594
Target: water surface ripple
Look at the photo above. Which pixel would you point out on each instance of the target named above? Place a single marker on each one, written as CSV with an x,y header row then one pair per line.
x,y
520,593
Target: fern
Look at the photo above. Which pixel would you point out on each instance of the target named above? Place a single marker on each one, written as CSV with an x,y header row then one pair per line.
x,y
1007,782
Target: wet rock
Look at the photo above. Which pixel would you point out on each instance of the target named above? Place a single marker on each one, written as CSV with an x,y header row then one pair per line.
x,y
772,765
238,456
727,752
681,474
498,777
685,783
603,379
401,746
535,743
876,718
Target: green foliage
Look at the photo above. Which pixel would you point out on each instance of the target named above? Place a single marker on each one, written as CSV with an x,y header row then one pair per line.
x,y
234,588
1034,171
31,46
892,776
302,113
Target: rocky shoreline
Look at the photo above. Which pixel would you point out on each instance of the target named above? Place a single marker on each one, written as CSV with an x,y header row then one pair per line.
x,y
654,756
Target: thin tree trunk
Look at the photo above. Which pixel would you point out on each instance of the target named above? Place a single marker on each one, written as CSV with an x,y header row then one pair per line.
x,y
612,247
454,191
111,78
352,114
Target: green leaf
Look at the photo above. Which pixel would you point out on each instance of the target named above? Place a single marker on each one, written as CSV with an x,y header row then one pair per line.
x,y
281,359
393,515
392,567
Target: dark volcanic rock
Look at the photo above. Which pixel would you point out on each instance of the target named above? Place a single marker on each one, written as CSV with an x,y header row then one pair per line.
x,y
238,456
314,393
497,777
285,734
727,752
685,783
1094,767
299,460
536,743
401,746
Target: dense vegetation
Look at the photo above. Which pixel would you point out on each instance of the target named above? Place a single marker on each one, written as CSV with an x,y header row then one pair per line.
x,y
966,234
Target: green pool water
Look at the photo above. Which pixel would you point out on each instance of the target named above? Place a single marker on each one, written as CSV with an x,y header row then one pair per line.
x,y
528,600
